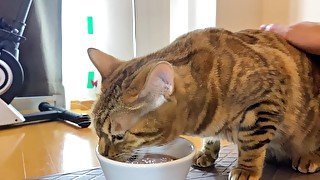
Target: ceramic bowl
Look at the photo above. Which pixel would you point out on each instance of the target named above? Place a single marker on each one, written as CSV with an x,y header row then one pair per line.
x,y
181,148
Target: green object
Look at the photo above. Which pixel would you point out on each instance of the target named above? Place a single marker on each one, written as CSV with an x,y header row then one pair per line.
x,y
90,24
90,79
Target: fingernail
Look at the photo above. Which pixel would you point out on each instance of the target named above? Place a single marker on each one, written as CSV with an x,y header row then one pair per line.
x,y
263,27
268,27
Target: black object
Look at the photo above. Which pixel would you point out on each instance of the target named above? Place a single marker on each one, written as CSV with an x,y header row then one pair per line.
x,y
13,70
52,113
10,38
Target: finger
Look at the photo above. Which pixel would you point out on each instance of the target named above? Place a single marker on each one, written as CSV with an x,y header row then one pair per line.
x,y
277,28
270,27
263,27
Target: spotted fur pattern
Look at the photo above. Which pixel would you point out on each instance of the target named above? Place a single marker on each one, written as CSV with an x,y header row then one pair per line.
x,y
250,87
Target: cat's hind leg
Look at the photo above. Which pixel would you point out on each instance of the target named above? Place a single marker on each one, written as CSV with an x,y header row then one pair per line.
x,y
308,163
208,154
257,128
306,159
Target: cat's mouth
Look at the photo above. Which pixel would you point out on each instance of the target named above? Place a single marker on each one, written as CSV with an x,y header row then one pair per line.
x,y
124,157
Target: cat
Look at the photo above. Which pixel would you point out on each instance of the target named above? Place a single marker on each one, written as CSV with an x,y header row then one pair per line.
x,y
250,87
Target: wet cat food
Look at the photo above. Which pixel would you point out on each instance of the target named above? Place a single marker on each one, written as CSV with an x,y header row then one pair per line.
x,y
151,159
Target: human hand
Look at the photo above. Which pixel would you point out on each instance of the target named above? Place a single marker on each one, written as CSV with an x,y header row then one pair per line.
x,y
304,35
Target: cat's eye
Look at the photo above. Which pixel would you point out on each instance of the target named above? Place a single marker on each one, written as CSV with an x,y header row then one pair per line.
x,y
118,137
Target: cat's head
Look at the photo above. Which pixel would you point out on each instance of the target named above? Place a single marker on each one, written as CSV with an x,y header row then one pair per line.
x,y
136,105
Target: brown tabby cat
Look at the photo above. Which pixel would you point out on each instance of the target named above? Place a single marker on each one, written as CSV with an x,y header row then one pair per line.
x,y
250,87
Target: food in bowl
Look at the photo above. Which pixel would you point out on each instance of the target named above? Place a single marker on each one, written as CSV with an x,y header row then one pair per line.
x,y
151,159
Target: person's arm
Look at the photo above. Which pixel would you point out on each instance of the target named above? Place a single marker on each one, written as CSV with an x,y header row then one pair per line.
x,y
304,35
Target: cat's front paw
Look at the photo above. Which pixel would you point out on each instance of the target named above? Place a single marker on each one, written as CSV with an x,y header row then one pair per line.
x,y
241,174
307,164
202,159
209,153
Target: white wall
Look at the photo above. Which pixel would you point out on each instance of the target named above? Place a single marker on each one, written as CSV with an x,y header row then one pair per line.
x,y
152,25
188,15
275,11
202,14
290,11
236,15
160,22
310,10
179,22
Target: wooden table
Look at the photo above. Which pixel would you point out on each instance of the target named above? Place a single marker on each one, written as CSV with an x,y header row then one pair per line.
x,y
48,148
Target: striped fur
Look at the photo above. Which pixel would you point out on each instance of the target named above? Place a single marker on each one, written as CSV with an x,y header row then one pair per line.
x,y
250,87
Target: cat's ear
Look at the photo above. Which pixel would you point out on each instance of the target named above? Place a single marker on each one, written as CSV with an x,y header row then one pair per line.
x,y
105,63
159,83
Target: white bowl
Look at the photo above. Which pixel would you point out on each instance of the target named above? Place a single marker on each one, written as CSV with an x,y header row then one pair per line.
x,y
177,169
